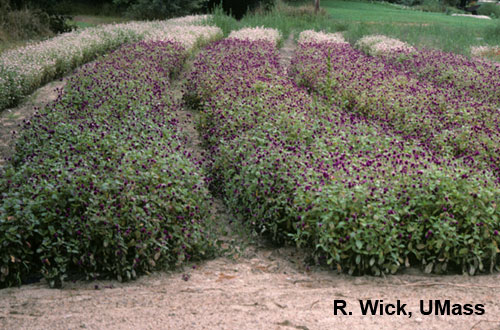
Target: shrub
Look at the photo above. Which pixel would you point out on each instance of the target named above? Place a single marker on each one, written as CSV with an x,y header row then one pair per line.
x,y
59,23
489,9
31,19
25,24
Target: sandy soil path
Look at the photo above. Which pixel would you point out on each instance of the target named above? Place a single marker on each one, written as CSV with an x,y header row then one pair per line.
x,y
264,289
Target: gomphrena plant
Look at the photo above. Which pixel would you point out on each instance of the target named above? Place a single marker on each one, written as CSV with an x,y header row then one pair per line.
x,y
449,120
471,78
362,196
101,183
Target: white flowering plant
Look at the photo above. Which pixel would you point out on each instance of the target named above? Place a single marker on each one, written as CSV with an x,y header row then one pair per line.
x,y
488,52
190,20
320,37
380,44
257,33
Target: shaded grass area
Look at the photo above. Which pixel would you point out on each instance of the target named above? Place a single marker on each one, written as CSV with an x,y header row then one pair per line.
x,y
357,19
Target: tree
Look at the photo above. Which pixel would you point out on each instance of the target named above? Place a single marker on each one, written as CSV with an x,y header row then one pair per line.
x,y
316,6
158,9
238,8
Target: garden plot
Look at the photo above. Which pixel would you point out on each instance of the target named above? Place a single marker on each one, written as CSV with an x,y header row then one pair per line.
x,y
101,183
371,181
471,78
24,69
446,120
297,168
367,200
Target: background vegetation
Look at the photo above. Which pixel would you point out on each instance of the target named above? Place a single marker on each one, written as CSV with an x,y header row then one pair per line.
x,y
426,23
359,18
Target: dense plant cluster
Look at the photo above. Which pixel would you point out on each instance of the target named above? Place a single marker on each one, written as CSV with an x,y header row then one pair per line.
x,y
445,119
365,199
24,69
471,78
321,36
488,52
28,19
101,182
380,44
257,33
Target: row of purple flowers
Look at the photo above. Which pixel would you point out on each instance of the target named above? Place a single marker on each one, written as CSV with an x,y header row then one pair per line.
x,y
358,193
102,183
447,120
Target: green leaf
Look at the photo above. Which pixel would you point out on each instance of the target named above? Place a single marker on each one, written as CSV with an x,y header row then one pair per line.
x,y
359,245
428,268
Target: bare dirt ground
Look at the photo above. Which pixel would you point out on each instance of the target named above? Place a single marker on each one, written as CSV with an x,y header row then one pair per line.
x,y
259,288
263,289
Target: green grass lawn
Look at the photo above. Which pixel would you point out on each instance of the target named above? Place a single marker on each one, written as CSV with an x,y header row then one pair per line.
x,y
435,30
375,12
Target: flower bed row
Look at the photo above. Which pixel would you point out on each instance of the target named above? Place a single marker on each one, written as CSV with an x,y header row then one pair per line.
x,y
472,78
24,69
257,34
363,198
101,183
443,119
